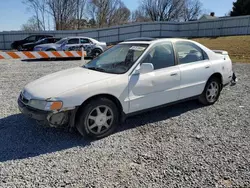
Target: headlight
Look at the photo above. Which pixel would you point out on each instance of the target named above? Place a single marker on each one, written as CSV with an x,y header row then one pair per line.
x,y
46,105
38,104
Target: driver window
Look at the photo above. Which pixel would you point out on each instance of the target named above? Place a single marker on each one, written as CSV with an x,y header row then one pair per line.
x,y
161,56
31,38
73,41
44,41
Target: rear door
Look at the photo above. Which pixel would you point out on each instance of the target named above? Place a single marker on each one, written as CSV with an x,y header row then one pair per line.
x,y
87,45
195,68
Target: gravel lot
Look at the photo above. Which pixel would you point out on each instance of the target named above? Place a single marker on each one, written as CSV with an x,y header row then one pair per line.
x,y
185,145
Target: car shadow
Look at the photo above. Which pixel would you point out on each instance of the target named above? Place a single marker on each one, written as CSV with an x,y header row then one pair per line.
x,y
160,114
22,138
52,59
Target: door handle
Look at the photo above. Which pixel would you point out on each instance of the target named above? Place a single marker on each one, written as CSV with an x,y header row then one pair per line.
x,y
207,67
173,74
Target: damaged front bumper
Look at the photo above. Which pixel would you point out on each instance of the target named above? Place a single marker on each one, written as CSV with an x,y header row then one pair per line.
x,y
53,119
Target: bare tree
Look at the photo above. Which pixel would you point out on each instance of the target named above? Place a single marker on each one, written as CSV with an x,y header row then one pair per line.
x,y
120,16
163,10
139,15
31,25
192,10
108,12
63,13
80,12
39,9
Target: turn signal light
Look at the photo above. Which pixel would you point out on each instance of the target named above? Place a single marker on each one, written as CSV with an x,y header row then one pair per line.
x,y
57,105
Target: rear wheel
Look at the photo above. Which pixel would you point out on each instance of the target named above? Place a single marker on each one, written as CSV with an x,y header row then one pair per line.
x,y
98,119
211,92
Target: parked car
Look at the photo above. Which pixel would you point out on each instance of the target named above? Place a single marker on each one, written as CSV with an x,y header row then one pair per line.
x,y
30,46
93,47
33,38
127,79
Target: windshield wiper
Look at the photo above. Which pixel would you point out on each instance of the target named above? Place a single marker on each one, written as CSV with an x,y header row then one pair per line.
x,y
96,69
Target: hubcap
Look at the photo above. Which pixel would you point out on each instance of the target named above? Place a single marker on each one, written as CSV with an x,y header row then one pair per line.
x,y
212,92
97,53
100,119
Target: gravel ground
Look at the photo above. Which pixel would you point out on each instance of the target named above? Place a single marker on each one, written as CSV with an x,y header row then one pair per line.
x,y
186,145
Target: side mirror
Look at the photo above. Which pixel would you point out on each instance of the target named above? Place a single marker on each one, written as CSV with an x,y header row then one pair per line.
x,y
145,68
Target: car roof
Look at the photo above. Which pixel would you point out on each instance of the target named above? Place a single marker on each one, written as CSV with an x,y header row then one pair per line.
x,y
141,39
52,37
77,37
41,35
156,40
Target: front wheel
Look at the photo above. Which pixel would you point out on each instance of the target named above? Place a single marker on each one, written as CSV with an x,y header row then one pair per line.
x,y
211,92
96,52
19,48
51,50
98,119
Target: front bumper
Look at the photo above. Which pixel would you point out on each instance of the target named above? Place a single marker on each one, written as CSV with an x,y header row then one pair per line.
x,y
53,119
31,112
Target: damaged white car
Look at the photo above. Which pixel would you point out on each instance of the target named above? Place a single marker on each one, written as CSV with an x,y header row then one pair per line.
x,y
129,78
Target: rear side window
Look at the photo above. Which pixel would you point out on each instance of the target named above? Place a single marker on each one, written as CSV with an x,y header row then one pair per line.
x,y
188,52
84,41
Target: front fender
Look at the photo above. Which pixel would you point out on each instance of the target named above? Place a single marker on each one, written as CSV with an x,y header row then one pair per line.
x,y
116,86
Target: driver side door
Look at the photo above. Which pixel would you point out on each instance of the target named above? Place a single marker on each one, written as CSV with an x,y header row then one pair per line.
x,y
158,87
71,44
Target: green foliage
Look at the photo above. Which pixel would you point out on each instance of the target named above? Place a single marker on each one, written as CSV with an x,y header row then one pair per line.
x,y
241,8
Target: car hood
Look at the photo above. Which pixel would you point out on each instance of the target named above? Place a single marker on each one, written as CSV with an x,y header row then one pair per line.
x,y
54,84
18,41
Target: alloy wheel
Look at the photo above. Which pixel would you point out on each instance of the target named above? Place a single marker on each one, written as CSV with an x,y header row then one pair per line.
x,y
212,92
100,119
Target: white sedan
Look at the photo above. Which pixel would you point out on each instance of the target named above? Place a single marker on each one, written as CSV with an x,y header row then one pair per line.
x,y
127,79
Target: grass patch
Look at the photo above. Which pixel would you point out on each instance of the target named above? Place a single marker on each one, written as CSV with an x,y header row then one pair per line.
x,y
238,47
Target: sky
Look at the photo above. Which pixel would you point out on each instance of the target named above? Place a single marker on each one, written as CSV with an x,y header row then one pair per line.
x,y
13,13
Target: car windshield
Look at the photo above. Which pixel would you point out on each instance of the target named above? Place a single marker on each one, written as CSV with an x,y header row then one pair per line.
x,y
61,41
117,60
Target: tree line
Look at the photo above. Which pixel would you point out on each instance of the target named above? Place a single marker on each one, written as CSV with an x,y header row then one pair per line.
x,y
81,14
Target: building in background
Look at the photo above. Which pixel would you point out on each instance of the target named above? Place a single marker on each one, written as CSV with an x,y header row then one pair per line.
x,y
205,17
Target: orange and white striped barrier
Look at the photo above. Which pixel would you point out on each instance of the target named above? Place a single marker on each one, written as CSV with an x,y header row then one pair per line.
x,y
41,54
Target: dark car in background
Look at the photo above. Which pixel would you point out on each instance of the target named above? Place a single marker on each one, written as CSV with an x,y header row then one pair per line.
x,y
30,46
33,38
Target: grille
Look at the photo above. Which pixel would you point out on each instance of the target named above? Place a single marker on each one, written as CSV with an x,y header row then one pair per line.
x,y
23,99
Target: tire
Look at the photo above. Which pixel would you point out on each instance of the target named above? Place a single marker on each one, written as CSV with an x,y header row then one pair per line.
x,y
211,93
51,50
98,124
19,48
96,52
